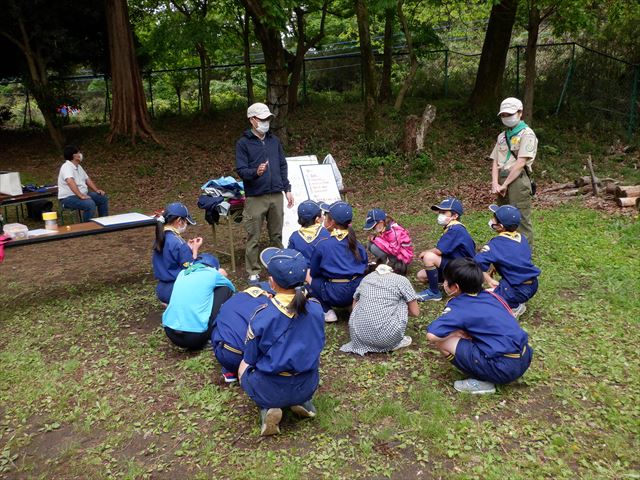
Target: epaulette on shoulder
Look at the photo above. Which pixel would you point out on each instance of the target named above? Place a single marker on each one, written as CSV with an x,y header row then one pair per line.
x,y
255,292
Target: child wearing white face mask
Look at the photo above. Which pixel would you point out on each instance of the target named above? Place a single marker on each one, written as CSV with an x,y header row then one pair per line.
x,y
172,253
387,238
455,242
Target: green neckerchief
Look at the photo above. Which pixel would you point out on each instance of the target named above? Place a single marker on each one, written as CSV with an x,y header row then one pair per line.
x,y
193,267
512,132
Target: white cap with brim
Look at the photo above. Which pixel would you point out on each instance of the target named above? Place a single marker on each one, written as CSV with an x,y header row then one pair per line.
x,y
510,105
259,110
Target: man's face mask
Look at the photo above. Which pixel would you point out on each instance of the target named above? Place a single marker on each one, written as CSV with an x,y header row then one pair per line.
x,y
263,126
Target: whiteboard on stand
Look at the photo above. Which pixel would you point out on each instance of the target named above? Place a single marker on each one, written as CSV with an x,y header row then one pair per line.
x,y
320,183
299,191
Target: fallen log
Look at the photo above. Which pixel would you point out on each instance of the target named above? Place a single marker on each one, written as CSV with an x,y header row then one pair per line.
x,y
555,188
582,181
610,188
571,193
628,191
627,201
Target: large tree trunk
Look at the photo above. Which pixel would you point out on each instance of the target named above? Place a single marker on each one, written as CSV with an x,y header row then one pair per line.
x,y
387,56
487,89
530,66
247,58
205,63
412,57
368,69
130,117
275,64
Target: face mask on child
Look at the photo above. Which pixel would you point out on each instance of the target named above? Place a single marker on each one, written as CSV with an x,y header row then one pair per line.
x,y
182,228
443,220
491,224
511,121
263,126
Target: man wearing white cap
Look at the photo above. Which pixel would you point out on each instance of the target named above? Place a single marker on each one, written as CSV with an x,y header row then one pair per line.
x,y
513,157
261,164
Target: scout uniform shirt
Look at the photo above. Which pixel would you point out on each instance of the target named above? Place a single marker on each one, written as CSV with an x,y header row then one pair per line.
x,y
523,144
175,256
233,319
456,242
278,342
306,238
489,322
510,254
332,258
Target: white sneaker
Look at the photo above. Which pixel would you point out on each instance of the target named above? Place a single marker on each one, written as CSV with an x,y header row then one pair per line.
x,y
253,279
475,387
519,310
405,342
330,316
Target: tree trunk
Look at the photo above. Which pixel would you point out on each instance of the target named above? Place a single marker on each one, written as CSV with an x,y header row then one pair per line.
x,y
205,63
487,89
247,59
130,117
178,90
368,69
530,66
294,81
387,57
412,57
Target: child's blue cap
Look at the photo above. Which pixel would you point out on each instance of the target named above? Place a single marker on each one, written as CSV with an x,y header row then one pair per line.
x,y
287,267
507,215
178,209
374,216
449,204
208,260
308,210
340,211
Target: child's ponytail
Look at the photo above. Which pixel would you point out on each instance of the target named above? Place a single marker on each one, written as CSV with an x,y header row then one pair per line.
x,y
298,305
353,243
158,245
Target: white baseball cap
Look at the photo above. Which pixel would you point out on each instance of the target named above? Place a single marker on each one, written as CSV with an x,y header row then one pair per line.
x,y
259,110
510,105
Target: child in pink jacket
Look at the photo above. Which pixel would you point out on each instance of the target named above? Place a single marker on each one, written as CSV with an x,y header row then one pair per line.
x,y
387,238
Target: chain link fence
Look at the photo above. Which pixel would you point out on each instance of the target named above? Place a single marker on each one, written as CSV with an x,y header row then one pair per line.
x,y
570,78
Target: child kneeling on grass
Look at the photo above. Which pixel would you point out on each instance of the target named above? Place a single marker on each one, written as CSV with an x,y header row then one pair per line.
x,y
387,238
230,328
311,230
509,252
478,333
280,367
455,242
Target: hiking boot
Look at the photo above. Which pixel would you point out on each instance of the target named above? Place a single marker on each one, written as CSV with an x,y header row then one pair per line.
x,y
519,310
270,419
426,295
306,410
405,342
475,387
253,280
330,316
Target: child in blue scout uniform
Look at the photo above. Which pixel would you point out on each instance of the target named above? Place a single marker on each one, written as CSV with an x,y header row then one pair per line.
x,y
284,339
339,261
171,253
230,330
311,230
198,293
455,242
509,252
477,332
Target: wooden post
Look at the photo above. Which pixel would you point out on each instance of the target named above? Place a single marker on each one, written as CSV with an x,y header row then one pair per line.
x,y
594,180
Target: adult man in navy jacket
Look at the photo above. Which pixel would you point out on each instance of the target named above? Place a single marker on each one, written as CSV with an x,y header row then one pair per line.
x,y
261,164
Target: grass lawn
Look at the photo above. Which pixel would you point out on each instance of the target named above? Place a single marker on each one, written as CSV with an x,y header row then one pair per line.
x,y
91,388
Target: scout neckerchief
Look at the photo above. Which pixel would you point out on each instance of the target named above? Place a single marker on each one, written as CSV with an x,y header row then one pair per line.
x,y
451,224
512,132
169,228
309,234
282,302
194,267
515,236
339,233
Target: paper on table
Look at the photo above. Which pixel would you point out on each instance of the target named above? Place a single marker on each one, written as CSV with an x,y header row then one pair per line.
x,y
120,219
40,231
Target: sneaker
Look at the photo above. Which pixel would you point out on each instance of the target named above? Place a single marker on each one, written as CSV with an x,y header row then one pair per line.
x,y
475,387
270,421
428,294
253,280
230,377
330,316
306,410
519,310
405,342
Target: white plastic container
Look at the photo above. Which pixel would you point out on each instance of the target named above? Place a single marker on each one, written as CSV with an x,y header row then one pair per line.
x,y
50,220
16,231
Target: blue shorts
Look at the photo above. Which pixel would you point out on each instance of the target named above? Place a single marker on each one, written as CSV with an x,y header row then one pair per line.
x,y
501,370
334,294
229,360
163,291
276,391
515,295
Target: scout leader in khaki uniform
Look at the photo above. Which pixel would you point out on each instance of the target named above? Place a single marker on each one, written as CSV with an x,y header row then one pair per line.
x,y
513,158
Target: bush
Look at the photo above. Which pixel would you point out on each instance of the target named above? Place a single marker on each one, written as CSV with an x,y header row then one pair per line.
x,y
5,115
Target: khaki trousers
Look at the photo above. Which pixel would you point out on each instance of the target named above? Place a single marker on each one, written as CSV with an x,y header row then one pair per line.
x,y
256,209
519,195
